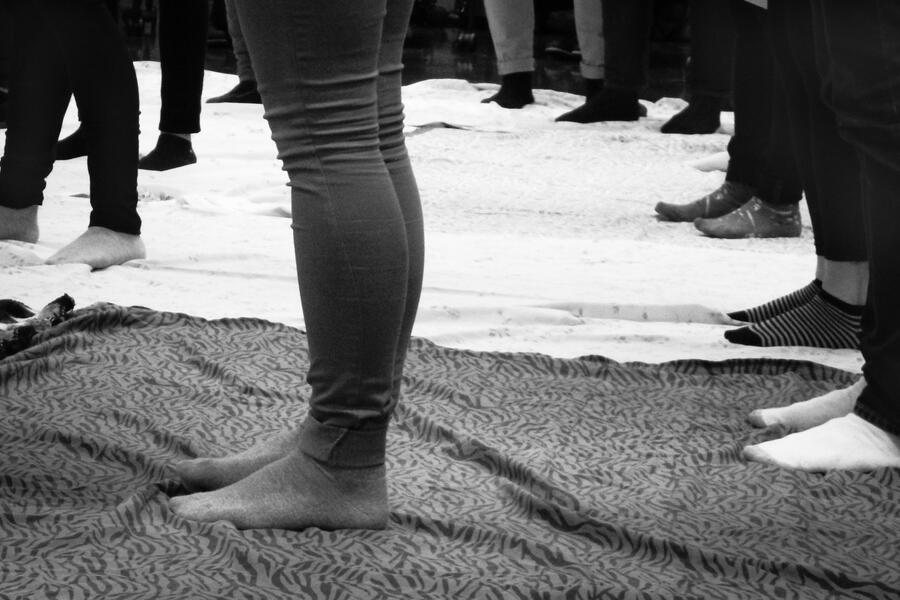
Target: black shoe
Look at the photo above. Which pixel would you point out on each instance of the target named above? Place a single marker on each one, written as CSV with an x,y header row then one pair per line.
x,y
171,152
72,146
700,116
729,196
244,92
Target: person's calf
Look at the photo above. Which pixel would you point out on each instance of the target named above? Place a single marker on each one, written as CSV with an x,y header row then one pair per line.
x,y
19,224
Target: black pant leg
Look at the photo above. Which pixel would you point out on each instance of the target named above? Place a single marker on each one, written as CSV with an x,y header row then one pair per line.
x,y
626,29
712,49
38,99
182,51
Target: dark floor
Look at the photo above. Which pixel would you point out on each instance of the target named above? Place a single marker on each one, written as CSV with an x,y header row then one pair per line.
x,y
466,53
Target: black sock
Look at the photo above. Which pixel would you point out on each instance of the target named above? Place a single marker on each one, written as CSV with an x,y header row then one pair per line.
x,y
515,90
778,305
823,322
170,152
701,115
607,105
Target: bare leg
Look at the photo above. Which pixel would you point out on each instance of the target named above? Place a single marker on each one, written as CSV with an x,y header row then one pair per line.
x,y
100,247
19,224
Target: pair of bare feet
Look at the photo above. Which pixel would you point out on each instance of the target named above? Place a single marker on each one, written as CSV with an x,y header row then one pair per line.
x,y
275,485
98,247
828,435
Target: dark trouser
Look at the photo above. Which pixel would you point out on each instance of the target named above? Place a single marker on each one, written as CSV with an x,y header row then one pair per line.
x,y
826,162
861,41
60,48
626,28
712,49
182,51
329,76
5,43
760,152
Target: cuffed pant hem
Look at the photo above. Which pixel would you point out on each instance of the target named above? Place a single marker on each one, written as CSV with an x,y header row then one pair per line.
x,y
341,447
593,71
515,65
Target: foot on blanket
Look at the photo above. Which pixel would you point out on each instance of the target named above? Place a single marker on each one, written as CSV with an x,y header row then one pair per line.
x,y
19,224
296,492
100,247
809,413
203,474
846,443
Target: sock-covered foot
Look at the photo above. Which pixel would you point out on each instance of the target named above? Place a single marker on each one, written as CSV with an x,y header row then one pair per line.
x,y
845,443
700,116
202,474
779,305
755,219
100,247
19,224
800,416
607,105
245,92
823,322
295,492
514,92
723,200
72,146
171,152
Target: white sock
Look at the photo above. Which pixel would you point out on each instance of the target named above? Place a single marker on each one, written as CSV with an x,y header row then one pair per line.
x,y
844,443
809,413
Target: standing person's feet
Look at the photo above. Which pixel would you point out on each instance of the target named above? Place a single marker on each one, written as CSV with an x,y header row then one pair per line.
x,y
700,116
607,105
514,92
296,492
755,219
721,201
100,248
245,92
844,443
19,224
822,322
72,146
171,151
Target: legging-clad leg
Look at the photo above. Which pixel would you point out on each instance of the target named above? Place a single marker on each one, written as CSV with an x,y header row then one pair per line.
x,y
329,76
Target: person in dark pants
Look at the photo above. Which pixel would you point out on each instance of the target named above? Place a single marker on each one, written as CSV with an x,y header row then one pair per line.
x,y
61,48
826,312
762,189
709,72
858,47
329,74
183,27
5,51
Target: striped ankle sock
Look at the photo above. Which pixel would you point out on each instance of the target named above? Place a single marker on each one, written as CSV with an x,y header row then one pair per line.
x,y
778,306
823,322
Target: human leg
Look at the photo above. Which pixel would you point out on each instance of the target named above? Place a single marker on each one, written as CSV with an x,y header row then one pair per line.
x,y
182,50
709,70
353,257
511,23
626,32
38,99
245,91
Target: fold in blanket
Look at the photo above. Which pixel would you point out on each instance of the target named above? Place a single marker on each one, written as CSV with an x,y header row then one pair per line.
x,y
19,336
511,475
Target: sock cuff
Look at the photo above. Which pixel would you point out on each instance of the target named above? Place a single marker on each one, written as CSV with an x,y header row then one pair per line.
x,y
851,309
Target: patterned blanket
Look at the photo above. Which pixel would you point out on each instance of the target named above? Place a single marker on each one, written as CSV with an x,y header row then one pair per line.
x,y
511,476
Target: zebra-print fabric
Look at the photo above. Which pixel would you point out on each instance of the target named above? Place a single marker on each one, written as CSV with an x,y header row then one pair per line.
x,y
511,476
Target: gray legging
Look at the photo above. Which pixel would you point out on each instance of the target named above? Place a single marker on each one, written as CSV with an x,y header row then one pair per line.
x,y
329,76
239,46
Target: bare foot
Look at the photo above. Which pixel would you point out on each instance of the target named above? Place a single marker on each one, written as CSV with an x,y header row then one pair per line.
x,y
100,247
809,413
19,224
845,443
201,474
295,492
